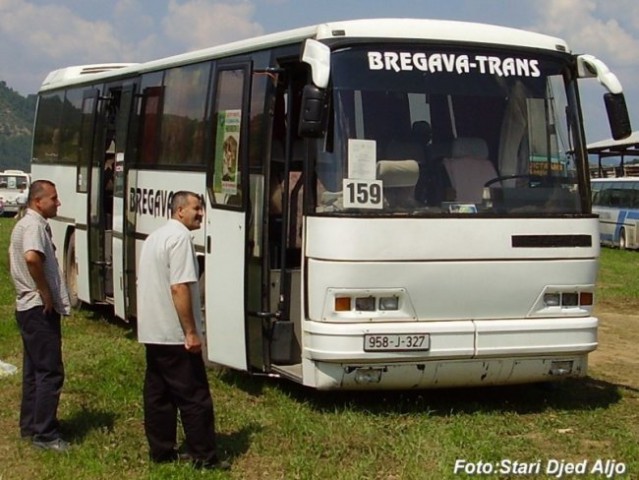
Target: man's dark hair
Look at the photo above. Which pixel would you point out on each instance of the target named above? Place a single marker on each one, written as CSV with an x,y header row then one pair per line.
x,y
36,190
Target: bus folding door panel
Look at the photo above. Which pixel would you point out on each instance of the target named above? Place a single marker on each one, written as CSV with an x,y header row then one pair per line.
x,y
224,284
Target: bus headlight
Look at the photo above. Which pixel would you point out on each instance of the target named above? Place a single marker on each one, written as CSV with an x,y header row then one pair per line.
x,y
563,300
365,304
370,304
569,299
389,303
552,299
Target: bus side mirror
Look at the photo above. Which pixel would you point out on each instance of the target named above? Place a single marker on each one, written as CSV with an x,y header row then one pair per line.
x,y
313,112
617,115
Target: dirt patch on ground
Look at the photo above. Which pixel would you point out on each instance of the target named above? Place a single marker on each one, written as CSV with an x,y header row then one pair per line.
x,y
617,357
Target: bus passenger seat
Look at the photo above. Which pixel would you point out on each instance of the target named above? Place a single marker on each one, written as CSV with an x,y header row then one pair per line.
x,y
399,170
469,168
399,178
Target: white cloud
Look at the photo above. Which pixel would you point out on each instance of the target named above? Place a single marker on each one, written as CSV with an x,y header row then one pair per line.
x,y
608,30
56,32
35,39
594,26
204,23
132,17
627,11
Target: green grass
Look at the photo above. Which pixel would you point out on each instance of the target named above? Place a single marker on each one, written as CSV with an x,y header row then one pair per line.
x,y
273,429
618,283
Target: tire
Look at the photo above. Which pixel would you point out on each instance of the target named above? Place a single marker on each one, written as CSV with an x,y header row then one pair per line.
x,y
71,273
623,244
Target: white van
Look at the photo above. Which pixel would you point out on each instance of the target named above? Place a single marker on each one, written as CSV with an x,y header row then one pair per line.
x,y
14,185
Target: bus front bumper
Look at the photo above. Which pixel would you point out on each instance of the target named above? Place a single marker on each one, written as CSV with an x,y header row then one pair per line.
x,y
459,353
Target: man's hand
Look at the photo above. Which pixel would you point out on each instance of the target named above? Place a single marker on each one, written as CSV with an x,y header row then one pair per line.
x,y
192,343
181,295
35,265
47,300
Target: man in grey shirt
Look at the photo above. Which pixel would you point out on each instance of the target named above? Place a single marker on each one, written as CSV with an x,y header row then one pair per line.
x,y
41,300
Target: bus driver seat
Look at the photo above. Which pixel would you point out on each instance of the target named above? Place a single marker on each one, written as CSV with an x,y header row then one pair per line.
x,y
469,168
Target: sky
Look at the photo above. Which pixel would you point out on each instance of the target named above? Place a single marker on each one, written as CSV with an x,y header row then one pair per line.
x,y
37,36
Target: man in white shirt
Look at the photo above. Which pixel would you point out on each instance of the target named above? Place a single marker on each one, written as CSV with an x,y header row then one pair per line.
x,y
169,325
41,300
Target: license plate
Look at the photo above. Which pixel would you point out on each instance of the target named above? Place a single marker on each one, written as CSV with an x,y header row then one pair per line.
x,y
396,342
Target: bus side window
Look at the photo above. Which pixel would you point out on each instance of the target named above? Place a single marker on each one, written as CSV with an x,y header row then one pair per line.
x,y
596,197
634,200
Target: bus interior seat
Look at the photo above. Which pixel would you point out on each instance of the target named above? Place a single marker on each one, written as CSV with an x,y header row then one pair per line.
x,y
469,168
399,171
399,178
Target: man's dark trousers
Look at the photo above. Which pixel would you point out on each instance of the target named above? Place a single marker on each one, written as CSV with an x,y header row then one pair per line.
x,y
42,375
176,380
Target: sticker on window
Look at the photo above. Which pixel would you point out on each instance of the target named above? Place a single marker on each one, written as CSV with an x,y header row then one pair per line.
x,y
362,155
361,193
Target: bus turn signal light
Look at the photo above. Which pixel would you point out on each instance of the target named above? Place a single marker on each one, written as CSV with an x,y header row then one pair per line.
x,y
586,299
342,304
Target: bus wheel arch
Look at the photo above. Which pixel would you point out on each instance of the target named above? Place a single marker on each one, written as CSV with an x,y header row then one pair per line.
x,y
71,269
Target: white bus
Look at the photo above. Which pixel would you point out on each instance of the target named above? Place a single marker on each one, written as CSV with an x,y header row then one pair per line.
x,y
374,219
615,190
14,188
616,202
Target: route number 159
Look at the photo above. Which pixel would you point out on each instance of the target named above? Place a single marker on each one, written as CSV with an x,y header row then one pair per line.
x,y
363,193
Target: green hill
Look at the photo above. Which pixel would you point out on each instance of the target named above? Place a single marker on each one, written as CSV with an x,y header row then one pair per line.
x,y
16,128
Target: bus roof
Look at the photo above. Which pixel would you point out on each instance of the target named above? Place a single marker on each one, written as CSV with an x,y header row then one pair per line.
x,y
387,28
610,147
615,179
70,74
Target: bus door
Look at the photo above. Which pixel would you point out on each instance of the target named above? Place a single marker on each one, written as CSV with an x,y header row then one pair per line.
x,y
276,158
285,223
83,285
119,254
100,209
226,218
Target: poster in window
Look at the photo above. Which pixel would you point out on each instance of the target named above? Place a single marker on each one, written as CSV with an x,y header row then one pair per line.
x,y
226,152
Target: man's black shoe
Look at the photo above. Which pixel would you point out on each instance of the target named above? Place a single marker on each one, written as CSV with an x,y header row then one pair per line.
x,y
57,445
209,465
184,457
166,458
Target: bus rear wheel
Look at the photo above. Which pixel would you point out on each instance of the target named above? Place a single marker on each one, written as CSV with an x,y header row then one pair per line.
x,y
71,273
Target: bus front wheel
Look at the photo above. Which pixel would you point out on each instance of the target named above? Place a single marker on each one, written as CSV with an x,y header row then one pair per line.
x,y
71,273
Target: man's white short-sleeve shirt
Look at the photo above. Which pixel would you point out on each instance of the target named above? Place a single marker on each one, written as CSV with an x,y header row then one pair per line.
x,y
167,258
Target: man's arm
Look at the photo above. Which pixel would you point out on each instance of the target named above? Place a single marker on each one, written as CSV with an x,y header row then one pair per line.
x,y
35,265
181,294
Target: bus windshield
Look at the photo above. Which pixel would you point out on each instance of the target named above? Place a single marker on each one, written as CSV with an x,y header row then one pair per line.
x,y
447,131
